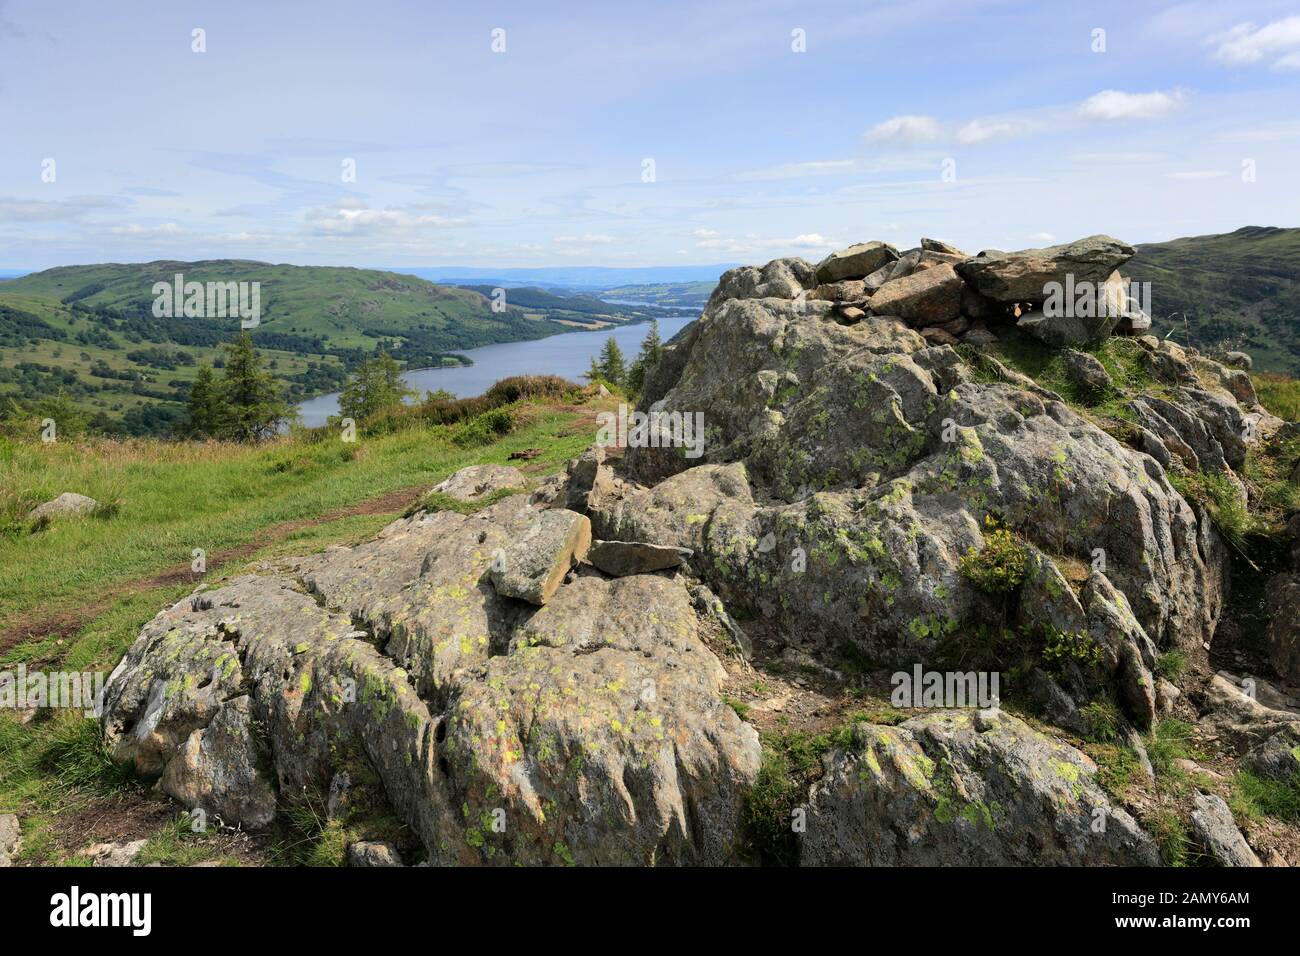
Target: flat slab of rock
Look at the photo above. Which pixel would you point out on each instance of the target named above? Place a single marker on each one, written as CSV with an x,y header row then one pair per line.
x,y
1023,276
923,298
68,503
478,481
532,567
1212,821
855,262
621,558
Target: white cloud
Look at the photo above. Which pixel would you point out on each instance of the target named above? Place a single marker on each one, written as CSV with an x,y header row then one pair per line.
x,y
906,130
143,232
979,131
1246,43
586,239
1287,64
1118,105
351,216
798,170
1040,237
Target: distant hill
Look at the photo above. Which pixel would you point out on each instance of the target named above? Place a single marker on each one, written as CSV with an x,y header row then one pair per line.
x,y
90,331
1237,290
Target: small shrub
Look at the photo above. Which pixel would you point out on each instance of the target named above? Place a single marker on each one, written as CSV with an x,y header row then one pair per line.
x,y
998,568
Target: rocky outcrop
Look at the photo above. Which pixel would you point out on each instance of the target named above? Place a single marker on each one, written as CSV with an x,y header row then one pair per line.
x,y
10,838
965,789
502,732
878,485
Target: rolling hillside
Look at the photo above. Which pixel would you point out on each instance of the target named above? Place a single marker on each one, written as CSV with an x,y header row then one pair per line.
x,y
90,331
1237,290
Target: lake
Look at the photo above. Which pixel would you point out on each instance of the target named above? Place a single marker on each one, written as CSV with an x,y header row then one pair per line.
x,y
568,355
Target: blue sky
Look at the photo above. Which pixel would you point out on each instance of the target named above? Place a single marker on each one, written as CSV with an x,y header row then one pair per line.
x,y
536,156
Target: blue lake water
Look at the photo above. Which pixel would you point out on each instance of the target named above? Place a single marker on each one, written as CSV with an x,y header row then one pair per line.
x,y
568,355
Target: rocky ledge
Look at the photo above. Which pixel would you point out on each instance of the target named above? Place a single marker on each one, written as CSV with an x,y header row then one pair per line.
x,y
877,486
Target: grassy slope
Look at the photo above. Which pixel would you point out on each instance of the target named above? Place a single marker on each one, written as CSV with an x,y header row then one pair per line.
x,y
1239,290
341,304
175,497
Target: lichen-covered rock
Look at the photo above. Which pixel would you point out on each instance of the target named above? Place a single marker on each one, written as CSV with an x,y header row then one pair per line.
x,y
217,769
621,558
1024,276
531,567
855,262
584,731
1216,830
479,481
1283,601
958,788
924,298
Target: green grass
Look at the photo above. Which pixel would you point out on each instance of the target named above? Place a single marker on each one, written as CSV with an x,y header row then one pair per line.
x,y
1280,394
1169,740
1219,495
1254,796
57,765
176,497
1102,718
1171,665
1171,836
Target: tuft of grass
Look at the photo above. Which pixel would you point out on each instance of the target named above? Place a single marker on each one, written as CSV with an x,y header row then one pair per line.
x,y
1117,767
1171,665
1169,741
1221,499
1171,836
1102,718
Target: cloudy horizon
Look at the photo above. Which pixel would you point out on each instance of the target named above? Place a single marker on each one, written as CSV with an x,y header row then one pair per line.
x,y
407,135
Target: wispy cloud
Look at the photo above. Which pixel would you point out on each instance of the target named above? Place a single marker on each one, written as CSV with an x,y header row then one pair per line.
x,y
1247,43
907,130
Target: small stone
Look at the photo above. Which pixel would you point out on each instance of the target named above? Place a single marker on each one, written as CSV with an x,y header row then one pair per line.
x,y
68,504
533,567
373,853
1239,360
852,313
10,838
936,245
937,336
621,558
1086,370
115,854
978,334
